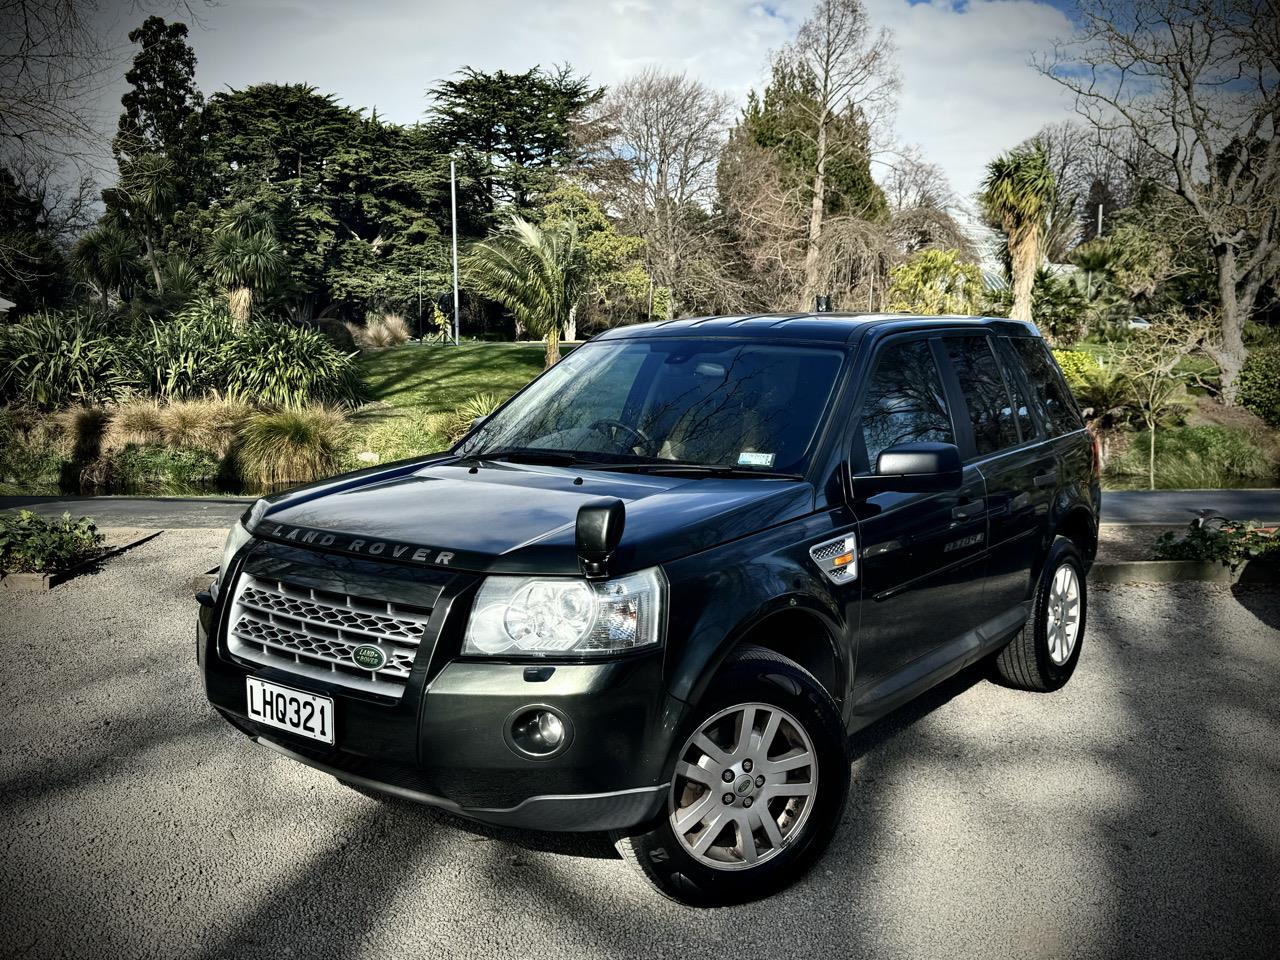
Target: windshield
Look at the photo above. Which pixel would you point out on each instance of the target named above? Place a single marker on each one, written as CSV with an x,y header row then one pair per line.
x,y
734,404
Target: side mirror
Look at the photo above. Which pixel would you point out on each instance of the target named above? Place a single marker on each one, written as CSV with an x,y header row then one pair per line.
x,y
597,533
915,467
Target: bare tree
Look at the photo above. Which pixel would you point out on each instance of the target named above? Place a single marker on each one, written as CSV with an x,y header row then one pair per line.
x,y
923,207
1194,82
850,65
664,135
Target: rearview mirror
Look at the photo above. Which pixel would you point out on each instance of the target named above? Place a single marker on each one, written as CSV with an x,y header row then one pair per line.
x,y
915,467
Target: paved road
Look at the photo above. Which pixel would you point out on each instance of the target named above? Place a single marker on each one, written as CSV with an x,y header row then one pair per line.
x,y
144,513
1181,506
1130,815
1138,506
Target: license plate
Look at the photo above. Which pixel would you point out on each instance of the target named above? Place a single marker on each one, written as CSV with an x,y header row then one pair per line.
x,y
302,713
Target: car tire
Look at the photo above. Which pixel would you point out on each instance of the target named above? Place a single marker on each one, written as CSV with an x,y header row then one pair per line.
x,y
772,831
1043,654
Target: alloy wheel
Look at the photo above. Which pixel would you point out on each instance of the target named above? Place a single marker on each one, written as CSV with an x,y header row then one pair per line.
x,y
1062,626
744,785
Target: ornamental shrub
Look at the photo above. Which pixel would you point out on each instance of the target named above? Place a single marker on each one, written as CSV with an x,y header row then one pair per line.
x,y
51,360
1259,384
282,365
1077,366
31,544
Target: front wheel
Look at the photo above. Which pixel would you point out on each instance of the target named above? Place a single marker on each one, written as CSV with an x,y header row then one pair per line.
x,y
758,786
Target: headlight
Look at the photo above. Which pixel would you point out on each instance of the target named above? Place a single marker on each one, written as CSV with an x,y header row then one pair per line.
x,y
237,537
529,616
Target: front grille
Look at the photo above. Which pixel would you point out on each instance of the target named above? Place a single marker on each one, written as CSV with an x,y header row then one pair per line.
x,y
314,632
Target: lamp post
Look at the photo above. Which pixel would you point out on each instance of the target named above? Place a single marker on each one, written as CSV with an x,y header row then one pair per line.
x,y
453,216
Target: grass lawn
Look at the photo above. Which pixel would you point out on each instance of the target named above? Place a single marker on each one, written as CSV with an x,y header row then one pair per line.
x,y
422,379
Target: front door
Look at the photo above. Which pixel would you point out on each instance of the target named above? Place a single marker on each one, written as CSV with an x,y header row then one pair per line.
x,y
922,554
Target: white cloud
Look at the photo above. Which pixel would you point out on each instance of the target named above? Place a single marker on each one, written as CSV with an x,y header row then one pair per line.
x,y
968,91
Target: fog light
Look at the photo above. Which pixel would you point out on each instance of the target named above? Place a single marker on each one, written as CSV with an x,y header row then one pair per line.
x,y
551,728
538,731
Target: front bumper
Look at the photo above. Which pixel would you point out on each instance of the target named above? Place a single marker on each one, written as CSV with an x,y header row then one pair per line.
x,y
444,742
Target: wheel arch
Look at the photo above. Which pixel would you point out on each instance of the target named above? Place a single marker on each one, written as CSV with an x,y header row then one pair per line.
x,y
1080,527
794,628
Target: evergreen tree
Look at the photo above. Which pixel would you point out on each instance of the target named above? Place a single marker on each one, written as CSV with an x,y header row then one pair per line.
x,y
512,129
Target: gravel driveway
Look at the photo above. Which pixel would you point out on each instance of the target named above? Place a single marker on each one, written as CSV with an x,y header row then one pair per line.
x,y
1132,814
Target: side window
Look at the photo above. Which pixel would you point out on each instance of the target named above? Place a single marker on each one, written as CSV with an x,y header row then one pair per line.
x,y
1009,366
905,402
1054,400
990,410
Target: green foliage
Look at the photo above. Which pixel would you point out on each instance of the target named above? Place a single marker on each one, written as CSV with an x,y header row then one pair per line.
x,y
153,468
1058,307
512,128
619,287
108,259
935,282
398,439
1231,545
539,275
1258,388
31,544
162,105
181,356
1018,191
31,259
1196,458
782,121
1076,366
51,360
30,458
278,364
291,445
457,423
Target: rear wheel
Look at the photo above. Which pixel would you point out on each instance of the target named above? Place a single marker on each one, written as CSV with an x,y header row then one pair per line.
x,y
1044,653
758,785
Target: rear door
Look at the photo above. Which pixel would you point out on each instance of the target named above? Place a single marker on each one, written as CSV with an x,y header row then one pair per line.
x,y
922,553
1019,470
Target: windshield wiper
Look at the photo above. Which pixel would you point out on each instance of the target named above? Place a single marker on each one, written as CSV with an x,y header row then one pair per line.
x,y
694,469
552,458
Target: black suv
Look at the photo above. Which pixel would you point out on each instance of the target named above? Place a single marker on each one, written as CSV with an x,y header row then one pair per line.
x,y
658,589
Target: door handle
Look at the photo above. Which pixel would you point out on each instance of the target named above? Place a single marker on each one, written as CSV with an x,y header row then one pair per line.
x,y
966,511
1046,479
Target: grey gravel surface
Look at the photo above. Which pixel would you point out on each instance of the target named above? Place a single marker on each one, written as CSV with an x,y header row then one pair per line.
x,y
1132,814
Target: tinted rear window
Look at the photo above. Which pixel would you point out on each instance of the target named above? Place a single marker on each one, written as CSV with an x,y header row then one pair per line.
x,y
1049,390
990,410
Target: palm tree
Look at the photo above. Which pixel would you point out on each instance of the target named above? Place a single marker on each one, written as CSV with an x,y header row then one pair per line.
x,y
538,274
149,192
245,256
1018,194
107,259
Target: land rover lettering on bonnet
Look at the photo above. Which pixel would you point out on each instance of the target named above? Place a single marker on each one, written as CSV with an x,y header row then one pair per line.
x,y
659,589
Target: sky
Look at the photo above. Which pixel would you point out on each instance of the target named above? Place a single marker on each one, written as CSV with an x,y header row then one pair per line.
x,y
968,91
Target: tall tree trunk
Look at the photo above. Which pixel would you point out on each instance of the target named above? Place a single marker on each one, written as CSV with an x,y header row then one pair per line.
x,y
240,305
553,345
1151,457
1024,258
816,208
1231,353
151,259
